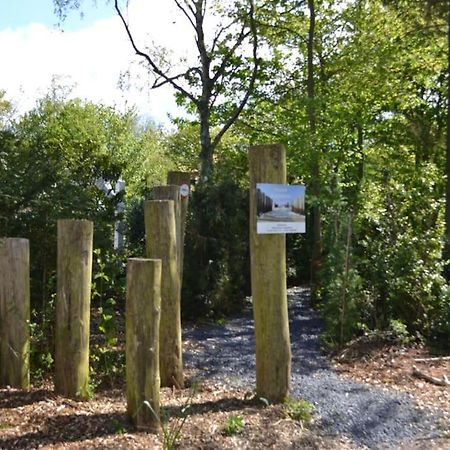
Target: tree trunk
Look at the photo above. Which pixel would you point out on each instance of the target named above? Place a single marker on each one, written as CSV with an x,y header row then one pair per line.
x,y
74,273
143,308
268,273
14,312
161,243
316,258
207,149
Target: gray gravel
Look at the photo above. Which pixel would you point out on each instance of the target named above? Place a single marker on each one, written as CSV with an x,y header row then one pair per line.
x,y
369,416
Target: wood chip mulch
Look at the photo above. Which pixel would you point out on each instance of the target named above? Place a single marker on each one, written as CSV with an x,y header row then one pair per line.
x,y
38,418
392,366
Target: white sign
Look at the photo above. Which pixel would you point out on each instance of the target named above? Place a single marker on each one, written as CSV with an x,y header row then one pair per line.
x,y
280,208
184,190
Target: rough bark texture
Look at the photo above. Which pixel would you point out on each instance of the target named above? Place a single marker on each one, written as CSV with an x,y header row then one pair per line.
x,y
14,312
178,179
74,273
172,192
161,243
143,309
268,271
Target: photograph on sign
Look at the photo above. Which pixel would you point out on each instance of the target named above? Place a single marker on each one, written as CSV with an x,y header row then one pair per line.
x,y
280,208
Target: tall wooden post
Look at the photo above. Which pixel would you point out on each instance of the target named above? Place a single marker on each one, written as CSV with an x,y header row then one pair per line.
x,y
268,273
183,180
142,313
14,312
74,275
161,243
172,192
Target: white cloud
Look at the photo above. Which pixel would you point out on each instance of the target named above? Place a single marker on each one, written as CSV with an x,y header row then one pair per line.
x,y
92,59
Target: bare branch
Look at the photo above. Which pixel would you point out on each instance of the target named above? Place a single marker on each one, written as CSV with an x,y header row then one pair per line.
x,y
185,75
156,69
183,10
217,36
251,85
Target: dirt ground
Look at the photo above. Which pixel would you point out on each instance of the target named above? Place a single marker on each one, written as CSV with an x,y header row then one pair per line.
x,y
38,418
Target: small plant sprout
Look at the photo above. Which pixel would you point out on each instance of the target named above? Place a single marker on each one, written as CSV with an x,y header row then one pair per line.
x,y
300,410
172,430
233,425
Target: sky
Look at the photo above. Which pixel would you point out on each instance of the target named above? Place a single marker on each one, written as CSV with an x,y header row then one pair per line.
x,y
88,54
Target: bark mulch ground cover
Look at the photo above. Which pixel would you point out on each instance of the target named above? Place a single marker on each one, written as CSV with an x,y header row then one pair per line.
x,y
38,418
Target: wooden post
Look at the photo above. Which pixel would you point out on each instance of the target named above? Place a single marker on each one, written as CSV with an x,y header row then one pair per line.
x,y
160,232
268,273
74,275
14,312
182,179
172,192
142,313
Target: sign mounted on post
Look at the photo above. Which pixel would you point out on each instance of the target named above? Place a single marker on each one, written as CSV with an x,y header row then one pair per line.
x,y
280,208
184,190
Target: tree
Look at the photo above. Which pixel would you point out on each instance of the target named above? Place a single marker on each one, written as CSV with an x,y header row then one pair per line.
x,y
53,158
225,67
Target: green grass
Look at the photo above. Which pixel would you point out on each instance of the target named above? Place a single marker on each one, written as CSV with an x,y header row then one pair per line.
x,y
300,409
233,425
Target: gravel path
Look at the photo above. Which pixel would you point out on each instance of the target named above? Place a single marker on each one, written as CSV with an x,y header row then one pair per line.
x,y
370,416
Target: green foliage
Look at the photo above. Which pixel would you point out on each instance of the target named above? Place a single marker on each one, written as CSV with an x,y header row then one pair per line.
x,y
145,160
42,337
53,157
233,425
107,360
299,409
400,331
216,274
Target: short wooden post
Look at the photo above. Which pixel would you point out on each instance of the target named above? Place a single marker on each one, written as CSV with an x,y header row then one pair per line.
x,y
14,312
74,276
160,232
172,192
183,180
142,314
268,273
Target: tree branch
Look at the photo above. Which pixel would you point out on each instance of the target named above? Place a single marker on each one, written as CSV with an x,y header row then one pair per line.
x,y
251,85
227,57
153,65
185,75
183,10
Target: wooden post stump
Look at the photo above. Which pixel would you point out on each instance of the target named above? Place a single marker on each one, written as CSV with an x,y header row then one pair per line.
x,y
74,275
161,243
142,313
268,273
183,180
14,312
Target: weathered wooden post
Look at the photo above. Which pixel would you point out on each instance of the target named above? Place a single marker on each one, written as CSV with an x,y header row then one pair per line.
x,y
268,273
161,243
172,192
142,314
74,275
14,312
183,180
